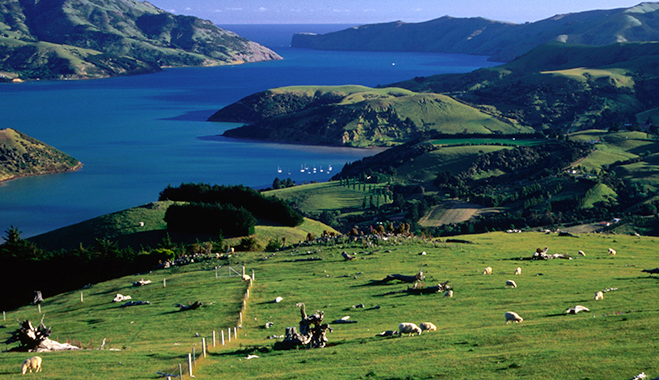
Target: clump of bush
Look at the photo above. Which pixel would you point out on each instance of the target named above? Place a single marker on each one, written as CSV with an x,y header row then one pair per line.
x,y
208,218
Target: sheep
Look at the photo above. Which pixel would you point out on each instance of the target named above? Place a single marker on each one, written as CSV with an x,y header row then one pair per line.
x,y
511,283
278,299
141,224
612,252
230,250
121,298
576,309
408,328
518,270
449,294
247,277
512,316
599,296
488,270
33,363
582,253
428,326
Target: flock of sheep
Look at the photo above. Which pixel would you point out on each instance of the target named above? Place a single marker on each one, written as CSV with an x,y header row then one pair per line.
x,y
510,316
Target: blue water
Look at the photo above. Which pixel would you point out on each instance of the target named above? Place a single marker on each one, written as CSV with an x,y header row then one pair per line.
x,y
135,135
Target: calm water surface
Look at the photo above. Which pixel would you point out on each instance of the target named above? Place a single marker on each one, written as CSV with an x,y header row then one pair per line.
x,y
135,135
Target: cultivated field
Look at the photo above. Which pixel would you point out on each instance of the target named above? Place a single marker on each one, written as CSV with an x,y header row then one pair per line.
x,y
615,340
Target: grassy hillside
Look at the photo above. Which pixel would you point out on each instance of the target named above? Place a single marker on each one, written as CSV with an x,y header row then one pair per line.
x,y
562,87
124,227
21,155
80,39
609,342
356,116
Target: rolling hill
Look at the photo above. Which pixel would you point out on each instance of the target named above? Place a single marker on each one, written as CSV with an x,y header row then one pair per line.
x,y
21,155
500,40
355,116
82,39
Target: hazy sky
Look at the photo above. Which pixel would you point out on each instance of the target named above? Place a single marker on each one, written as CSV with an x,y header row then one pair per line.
x,y
374,11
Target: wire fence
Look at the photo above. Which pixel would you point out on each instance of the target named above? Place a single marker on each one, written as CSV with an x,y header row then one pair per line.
x,y
217,339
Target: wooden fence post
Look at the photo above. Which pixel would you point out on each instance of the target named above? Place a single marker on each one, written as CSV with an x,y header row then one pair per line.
x,y
164,282
252,274
39,307
222,336
229,334
235,333
213,338
203,346
180,371
194,357
190,364
81,299
240,318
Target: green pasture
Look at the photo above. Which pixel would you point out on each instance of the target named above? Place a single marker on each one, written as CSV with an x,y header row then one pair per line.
x,y
615,340
453,159
487,141
325,196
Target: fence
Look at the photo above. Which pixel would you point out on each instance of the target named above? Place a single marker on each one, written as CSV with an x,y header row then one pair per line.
x,y
216,338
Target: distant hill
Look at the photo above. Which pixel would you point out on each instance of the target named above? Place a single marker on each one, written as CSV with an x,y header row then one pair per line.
x,y
80,39
21,155
561,86
355,116
500,40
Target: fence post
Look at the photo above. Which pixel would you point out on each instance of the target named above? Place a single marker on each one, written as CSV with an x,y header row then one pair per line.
x,y
39,307
213,338
235,333
252,274
222,336
194,357
216,273
180,371
229,334
81,299
240,318
164,282
190,364
203,346
4,317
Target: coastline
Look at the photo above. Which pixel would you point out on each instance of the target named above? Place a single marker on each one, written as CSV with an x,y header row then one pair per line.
x,y
19,176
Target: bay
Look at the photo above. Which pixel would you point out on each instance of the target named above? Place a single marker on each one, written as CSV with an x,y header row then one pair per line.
x,y
135,135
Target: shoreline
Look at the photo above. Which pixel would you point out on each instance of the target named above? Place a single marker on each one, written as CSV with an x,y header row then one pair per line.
x,y
19,176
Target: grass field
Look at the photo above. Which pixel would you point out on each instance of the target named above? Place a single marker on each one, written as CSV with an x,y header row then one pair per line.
x,y
615,340
452,212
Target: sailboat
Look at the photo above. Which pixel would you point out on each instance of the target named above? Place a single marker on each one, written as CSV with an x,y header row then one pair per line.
x,y
278,169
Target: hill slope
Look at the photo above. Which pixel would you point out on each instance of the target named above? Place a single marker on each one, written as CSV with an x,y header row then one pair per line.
x,y
563,86
57,39
354,116
21,155
502,41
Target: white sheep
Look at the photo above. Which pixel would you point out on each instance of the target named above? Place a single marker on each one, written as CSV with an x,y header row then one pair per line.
x,y
518,270
247,277
449,294
121,298
278,299
428,326
488,270
582,253
33,363
612,252
511,283
408,328
576,309
141,224
512,316
599,296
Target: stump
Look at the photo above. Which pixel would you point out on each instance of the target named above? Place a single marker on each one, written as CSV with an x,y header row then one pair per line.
x,y
312,332
35,339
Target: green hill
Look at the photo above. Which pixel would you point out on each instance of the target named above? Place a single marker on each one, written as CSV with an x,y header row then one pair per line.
x,y
80,39
472,339
21,155
355,116
501,41
561,87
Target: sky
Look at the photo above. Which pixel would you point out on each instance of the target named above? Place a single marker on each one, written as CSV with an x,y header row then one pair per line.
x,y
377,11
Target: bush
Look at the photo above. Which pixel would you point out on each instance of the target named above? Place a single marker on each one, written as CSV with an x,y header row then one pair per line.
x,y
210,219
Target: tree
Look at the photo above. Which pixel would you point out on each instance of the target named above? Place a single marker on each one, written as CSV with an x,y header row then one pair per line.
x,y
276,184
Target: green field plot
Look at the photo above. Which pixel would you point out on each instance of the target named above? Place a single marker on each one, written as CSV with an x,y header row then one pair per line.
x,y
326,196
472,339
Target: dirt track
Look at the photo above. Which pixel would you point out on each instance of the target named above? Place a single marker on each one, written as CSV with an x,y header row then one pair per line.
x,y
452,212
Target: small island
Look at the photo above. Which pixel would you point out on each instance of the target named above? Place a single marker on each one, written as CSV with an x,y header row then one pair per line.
x,y
22,156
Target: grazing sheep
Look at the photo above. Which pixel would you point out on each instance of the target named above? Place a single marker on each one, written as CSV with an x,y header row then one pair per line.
x,y
230,250
449,294
278,299
247,277
612,252
33,363
121,298
511,283
512,316
408,328
582,253
488,270
518,270
576,309
428,326
599,296
141,224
